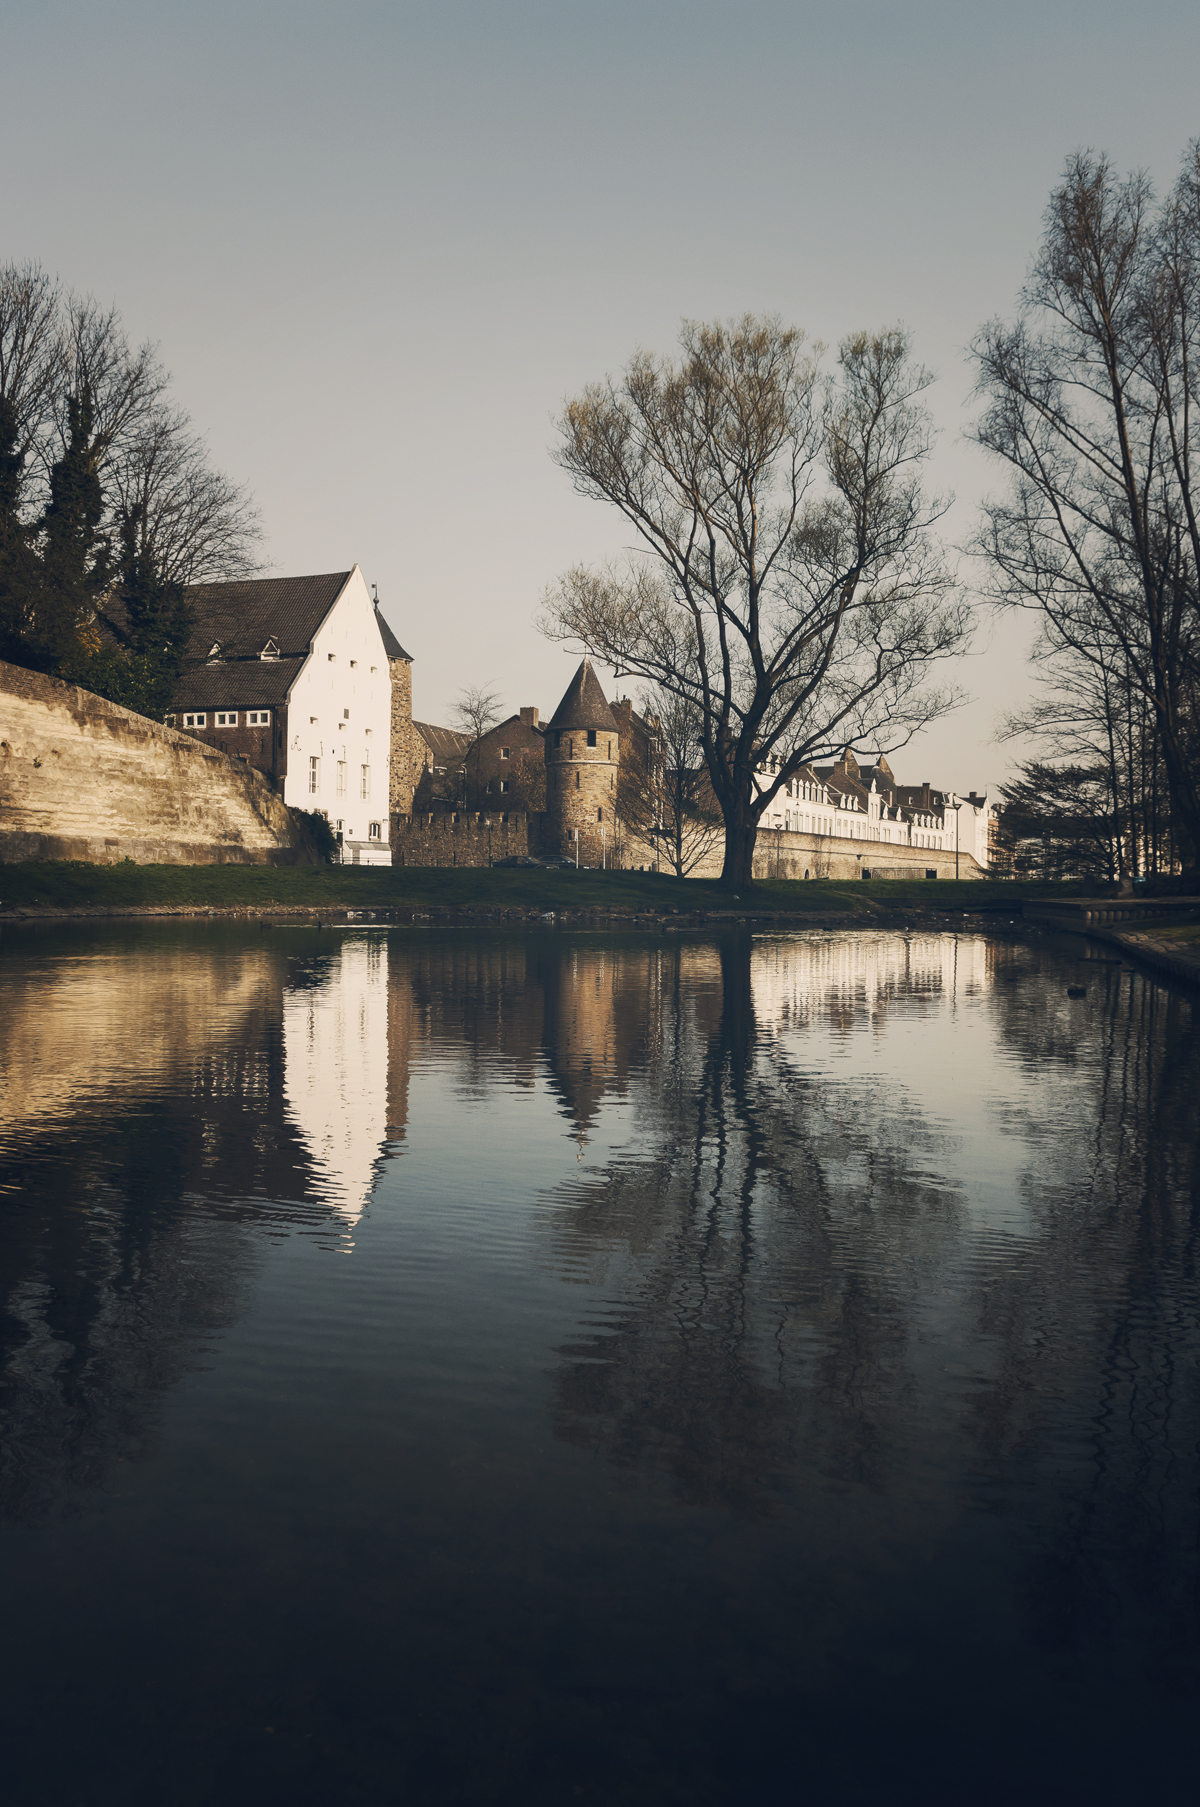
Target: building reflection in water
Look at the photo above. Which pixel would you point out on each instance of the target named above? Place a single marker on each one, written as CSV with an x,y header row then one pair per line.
x,y
839,1200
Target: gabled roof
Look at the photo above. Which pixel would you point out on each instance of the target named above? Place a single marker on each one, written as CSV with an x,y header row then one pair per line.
x,y
242,617
584,705
391,645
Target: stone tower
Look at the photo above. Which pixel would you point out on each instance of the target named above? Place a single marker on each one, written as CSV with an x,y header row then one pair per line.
x,y
582,756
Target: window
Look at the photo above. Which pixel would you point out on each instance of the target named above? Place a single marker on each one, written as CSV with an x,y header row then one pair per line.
x,y
599,815
312,721
504,752
314,773
345,715
366,781
591,734
577,781
259,718
373,831
194,721
331,657
557,738
341,777
353,663
214,651
503,784
227,718
270,650
170,720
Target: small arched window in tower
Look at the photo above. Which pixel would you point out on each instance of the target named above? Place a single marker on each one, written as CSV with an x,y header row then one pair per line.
x,y
610,749
599,815
577,781
591,734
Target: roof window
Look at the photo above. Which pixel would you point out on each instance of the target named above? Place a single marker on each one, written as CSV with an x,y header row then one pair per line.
x,y
270,650
214,651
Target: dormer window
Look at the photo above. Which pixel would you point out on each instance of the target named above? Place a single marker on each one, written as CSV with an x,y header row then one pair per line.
x,y
214,651
270,650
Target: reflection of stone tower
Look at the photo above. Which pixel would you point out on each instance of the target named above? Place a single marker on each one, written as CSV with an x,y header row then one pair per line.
x,y
582,753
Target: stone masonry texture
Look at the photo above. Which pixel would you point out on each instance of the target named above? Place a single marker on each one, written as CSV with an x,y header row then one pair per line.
x,y
83,779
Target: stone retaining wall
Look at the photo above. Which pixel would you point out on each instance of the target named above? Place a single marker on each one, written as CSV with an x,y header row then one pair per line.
x,y
83,779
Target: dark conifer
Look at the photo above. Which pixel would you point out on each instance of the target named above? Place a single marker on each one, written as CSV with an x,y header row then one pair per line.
x,y
18,565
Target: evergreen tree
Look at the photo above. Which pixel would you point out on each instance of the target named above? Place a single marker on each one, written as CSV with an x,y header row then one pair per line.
x,y
151,622
75,565
18,564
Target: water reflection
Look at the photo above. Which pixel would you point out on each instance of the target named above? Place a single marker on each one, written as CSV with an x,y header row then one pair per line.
x,y
858,1271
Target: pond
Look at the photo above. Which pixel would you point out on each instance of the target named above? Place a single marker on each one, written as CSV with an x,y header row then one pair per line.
x,y
477,1366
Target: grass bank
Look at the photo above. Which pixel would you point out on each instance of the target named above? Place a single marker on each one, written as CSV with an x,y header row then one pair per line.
x,y
76,886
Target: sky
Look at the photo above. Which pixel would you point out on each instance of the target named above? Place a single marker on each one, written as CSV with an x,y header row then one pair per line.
x,y
378,245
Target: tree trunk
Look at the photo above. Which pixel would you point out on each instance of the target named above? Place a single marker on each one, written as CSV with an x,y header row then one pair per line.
x,y
740,836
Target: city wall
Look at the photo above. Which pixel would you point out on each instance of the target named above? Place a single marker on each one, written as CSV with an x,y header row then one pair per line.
x,y
83,779
462,838
781,853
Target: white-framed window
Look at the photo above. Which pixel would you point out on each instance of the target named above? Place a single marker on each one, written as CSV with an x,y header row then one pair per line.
x,y
341,777
195,721
170,721
259,718
226,718
366,781
504,752
503,785
270,650
314,773
374,831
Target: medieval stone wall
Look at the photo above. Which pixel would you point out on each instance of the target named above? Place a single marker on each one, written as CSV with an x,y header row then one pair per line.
x,y
581,793
462,839
407,747
780,853
83,779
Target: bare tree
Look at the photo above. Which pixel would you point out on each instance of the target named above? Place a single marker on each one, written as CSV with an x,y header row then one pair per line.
x,y
58,350
474,714
1091,403
788,585
662,787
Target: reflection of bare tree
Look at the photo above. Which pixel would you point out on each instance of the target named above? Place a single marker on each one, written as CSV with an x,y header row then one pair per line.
x,y
1097,1319
747,1333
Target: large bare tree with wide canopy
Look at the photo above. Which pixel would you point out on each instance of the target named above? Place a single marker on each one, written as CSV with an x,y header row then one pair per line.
x,y
786,581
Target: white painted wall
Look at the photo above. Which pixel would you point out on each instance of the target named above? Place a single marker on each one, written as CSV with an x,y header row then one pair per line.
x,y
340,713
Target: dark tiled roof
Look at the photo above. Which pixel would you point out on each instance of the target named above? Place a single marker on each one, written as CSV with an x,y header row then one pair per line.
x,y
584,705
391,645
241,617
444,743
241,684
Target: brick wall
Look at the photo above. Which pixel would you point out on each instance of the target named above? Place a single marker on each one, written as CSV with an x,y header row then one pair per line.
x,y
407,748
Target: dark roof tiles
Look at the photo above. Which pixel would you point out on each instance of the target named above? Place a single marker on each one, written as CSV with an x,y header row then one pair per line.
x,y
242,617
243,684
391,645
584,705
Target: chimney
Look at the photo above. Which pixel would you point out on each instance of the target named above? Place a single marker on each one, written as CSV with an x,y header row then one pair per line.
x,y
529,717
926,799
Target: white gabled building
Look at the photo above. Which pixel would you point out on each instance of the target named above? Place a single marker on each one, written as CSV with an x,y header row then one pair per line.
x,y
293,675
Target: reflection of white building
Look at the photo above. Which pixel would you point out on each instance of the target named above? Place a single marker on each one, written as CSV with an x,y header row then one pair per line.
x,y
797,979
335,1084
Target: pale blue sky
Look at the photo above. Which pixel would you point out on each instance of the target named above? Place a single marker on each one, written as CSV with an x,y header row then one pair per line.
x,y
379,243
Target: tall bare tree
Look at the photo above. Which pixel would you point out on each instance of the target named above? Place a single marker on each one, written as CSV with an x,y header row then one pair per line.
x,y
787,583
1091,403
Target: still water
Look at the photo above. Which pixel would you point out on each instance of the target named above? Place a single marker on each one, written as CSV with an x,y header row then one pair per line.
x,y
459,1367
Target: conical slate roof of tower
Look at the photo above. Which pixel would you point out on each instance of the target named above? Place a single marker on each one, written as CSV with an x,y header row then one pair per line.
x,y
584,705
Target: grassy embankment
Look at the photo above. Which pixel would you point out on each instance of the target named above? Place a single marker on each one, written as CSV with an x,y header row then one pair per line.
x,y
74,885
